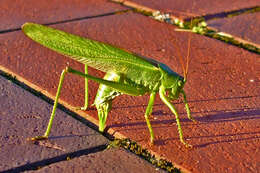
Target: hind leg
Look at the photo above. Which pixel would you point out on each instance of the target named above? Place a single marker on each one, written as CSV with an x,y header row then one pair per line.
x,y
104,97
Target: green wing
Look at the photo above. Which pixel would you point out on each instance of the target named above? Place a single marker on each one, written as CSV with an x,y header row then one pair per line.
x,y
98,55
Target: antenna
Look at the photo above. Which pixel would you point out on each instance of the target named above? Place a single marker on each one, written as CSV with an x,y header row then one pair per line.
x,y
185,68
182,63
187,58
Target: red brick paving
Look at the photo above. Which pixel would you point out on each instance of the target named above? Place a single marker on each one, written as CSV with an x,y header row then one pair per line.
x,y
222,89
245,26
196,7
24,115
14,14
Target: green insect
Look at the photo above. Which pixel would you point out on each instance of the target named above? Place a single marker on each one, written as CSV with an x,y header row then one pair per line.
x,y
126,73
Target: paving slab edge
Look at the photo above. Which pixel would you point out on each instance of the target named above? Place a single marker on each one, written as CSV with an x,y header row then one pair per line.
x,y
70,20
120,139
195,26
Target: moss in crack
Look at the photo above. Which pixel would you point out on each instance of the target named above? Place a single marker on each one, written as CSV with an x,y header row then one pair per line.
x,y
143,153
233,41
199,26
194,22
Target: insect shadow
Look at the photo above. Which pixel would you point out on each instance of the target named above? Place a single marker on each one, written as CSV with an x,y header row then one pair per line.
x,y
231,115
219,117
223,98
256,136
239,138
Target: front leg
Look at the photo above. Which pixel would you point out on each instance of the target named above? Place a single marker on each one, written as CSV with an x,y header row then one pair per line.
x,y
173,109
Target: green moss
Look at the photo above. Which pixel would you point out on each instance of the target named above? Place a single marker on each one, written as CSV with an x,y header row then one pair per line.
x,y
143,153
233,41
198,25
194,22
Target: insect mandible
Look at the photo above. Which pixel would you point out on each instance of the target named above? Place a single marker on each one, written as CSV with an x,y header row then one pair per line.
x,y
126,73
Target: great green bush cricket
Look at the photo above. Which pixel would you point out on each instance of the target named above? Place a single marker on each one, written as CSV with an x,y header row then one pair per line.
x,y
126,73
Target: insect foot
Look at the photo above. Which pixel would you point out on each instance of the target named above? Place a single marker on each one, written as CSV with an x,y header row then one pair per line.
x,y
151,141
192,119
81,108
37,138
186,144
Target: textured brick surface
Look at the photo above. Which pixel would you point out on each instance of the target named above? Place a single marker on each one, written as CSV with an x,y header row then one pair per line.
x,y
222,89
246,26
196,7
22,116
112,160
14,14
